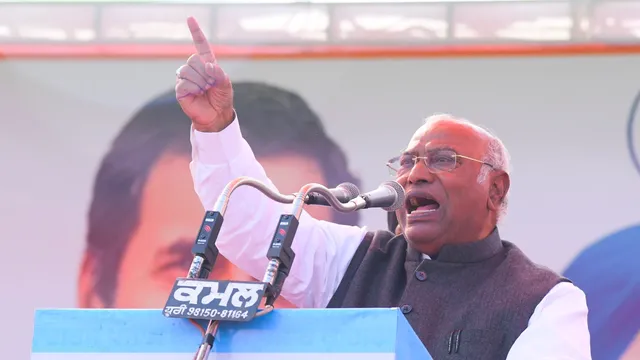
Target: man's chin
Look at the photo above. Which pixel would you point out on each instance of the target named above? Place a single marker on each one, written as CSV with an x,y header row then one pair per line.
x,y
423,232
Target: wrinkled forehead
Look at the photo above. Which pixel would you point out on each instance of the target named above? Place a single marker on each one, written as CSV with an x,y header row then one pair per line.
x,y
444,134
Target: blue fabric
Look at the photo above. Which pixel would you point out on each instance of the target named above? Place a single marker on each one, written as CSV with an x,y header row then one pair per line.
x,y
282,331
609,274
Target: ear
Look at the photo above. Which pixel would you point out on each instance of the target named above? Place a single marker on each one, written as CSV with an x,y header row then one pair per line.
x,y
498,188
87,297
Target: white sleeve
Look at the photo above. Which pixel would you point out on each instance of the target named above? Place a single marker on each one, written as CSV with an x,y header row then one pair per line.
x,y
323,250
558,328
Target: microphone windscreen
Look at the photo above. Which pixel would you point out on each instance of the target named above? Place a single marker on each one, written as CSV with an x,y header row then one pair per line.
x,y
399,191
350,189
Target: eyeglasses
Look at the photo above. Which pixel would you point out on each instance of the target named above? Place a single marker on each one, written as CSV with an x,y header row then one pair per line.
x,y
435,161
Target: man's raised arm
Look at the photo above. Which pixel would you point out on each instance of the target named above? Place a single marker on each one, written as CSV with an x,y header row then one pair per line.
x,y
220,154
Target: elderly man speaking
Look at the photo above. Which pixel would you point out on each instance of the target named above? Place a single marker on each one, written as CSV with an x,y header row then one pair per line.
x,y
467,293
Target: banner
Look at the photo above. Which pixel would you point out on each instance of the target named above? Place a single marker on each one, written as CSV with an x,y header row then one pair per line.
x,y
98,207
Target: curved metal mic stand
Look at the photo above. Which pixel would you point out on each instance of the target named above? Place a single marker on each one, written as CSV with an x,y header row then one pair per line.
x,y
299,199
280,254
223,202
271,275
195,270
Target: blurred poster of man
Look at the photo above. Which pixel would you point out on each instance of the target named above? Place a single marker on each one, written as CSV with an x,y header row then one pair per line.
x,y
608,271
145,214
633,351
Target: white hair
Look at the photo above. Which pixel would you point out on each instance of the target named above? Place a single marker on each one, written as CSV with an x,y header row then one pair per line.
x,y
496,153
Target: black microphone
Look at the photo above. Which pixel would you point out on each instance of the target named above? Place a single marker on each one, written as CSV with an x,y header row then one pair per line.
x,y
389,196
343,192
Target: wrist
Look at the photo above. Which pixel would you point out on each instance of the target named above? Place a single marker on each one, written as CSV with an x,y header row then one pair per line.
x,y
227,116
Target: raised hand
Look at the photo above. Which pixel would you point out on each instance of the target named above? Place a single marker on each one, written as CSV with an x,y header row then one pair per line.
x,y
203,89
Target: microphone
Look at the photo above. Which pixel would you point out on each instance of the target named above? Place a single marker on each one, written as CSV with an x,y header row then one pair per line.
x,y
343,193
389,196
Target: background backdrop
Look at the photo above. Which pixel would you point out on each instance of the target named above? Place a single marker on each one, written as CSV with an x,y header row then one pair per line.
x,y
564,120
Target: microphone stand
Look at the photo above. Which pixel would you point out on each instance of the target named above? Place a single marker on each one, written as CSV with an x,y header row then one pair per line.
x,y
202,258
206,253
280,254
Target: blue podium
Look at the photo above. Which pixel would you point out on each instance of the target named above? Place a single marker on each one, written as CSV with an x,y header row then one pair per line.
x,y
289,334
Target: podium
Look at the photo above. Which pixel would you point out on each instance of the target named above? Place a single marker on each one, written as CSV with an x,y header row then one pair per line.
x,y
288,334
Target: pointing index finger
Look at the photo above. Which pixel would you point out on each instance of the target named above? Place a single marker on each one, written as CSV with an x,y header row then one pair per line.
x,y
200,41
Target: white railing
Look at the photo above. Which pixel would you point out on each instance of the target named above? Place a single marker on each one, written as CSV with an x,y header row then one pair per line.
x,y
321,22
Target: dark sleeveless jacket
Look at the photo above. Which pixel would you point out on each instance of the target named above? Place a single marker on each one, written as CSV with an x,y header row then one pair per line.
x,y
472,302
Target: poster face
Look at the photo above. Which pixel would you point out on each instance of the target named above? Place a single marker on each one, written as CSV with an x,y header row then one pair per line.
x,y
97,152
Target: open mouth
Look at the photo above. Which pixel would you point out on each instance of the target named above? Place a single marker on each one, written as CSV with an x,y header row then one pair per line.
x,y
421,204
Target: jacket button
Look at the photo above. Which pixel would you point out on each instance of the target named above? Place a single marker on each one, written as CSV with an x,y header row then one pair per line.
x,y
421,275
406,308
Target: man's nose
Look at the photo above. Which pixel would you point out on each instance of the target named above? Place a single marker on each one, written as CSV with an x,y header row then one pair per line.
x,y
420,173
